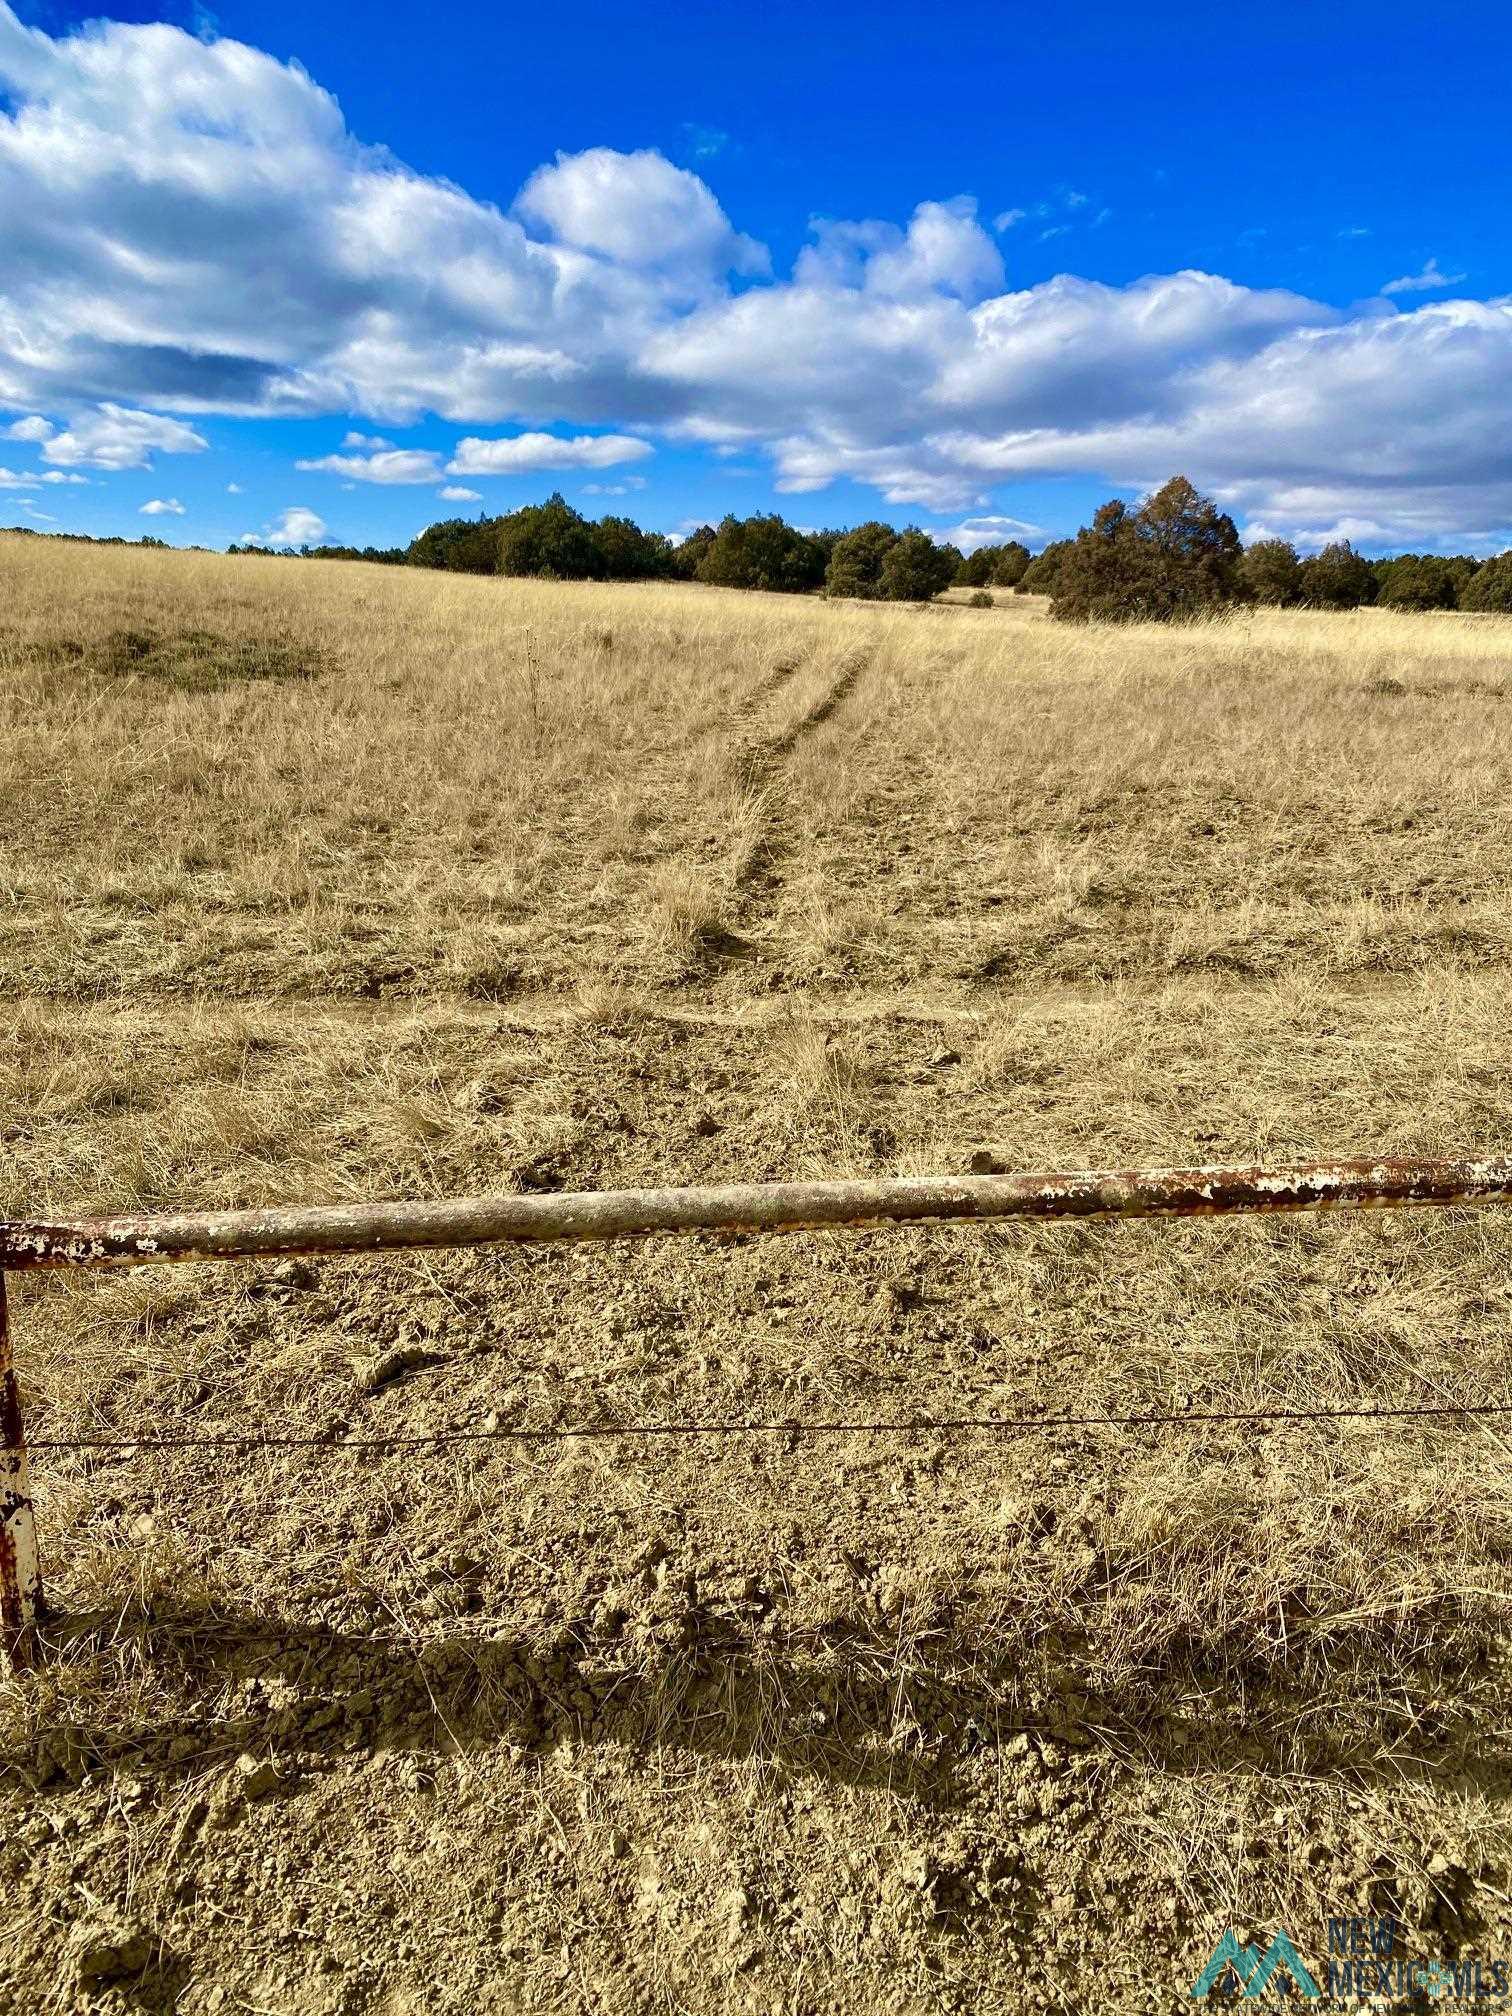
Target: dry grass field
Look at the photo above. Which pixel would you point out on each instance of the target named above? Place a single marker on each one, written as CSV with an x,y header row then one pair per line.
x,y
324,881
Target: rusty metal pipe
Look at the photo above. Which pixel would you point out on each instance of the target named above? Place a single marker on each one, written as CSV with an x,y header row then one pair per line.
x,y
268,1233
20,1570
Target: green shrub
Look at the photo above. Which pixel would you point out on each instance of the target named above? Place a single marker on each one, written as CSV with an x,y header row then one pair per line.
x,y
460,545
855,565
1417,582
1177,556
1042,575
763,552
915,569
1337,578
993,566
1009,564
1270,572
1491,588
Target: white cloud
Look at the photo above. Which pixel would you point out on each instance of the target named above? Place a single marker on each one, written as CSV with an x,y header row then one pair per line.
x,y
1426,282
636,209
33,511
117,437
32,428
943,254
521,454
186,227
389,465
990,530
1006,219
625,489
297,526
454,493
163,507
13,479
373,442
233,489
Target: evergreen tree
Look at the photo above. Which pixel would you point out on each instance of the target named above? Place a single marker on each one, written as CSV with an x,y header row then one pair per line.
x,y
1490,588
1270,572
855,565
1177,556
762,552
460,545
1042,575
689,554
1010,563
914,569
1337,578
550,540
1417,581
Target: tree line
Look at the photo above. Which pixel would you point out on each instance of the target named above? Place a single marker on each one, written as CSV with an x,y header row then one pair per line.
x,y
1175,556
552,541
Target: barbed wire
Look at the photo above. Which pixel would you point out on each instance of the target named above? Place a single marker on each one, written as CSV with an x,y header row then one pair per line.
x,y
1013,1424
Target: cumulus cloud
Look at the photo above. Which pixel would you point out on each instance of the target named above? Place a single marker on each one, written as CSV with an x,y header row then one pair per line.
x,y
388,465
942,254
116,437
163,507
32,428
233,489
521,454
187,227
454,493
297,526
1426,282
638,210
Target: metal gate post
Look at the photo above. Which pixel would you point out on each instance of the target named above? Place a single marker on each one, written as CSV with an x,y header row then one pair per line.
x,y
21,1607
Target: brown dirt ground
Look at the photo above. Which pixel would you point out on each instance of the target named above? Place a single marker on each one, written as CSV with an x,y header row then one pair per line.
x,y
902,1720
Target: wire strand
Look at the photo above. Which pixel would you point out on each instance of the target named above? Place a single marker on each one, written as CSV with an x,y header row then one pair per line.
x,y
1023,1424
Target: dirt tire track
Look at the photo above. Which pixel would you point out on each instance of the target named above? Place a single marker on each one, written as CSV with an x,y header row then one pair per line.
x,y
757,765
766,688
668,760
758,768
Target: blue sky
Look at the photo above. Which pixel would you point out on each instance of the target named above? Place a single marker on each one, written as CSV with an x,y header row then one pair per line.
x,y
977,269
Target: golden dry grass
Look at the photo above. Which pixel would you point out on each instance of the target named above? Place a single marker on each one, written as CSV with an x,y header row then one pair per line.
x,y
327,881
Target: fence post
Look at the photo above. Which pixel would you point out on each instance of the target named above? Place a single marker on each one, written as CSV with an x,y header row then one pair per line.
x,y
21,1607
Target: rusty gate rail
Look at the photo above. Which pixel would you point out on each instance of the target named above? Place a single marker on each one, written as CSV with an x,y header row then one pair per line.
x,y
734,1208
271,1233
